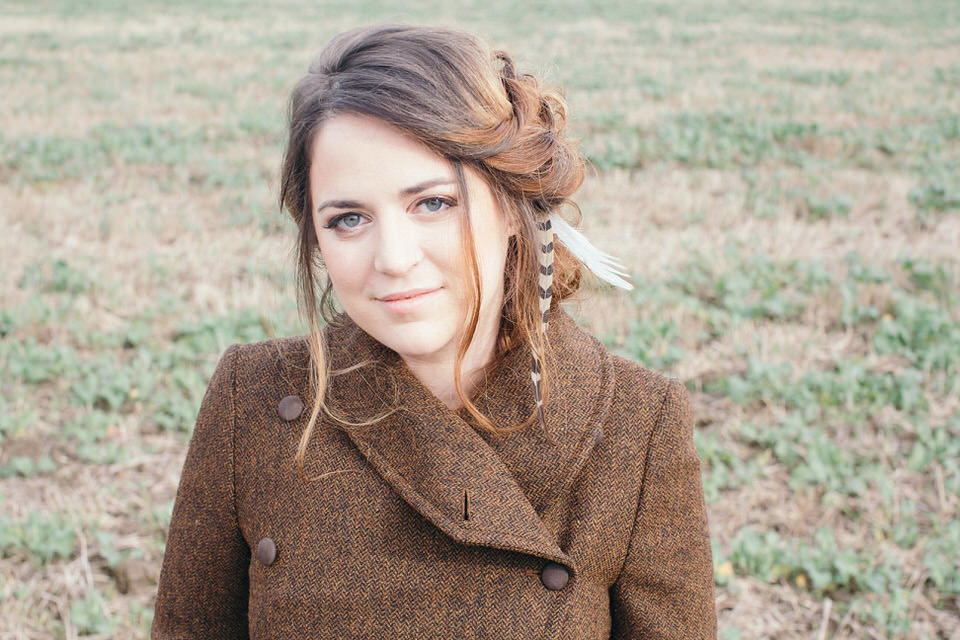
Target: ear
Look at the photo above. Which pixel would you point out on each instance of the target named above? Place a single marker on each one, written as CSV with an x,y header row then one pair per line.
x,y
511,217
511,226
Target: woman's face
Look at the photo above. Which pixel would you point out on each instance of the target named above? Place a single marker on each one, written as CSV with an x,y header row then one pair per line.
x,y
387,214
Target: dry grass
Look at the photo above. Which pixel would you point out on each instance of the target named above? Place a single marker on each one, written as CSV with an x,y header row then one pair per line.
x,y
174,223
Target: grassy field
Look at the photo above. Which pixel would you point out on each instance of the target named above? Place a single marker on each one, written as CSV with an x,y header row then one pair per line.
x,y
783,179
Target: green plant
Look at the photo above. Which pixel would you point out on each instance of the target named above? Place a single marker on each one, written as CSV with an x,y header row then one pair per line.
x,y
926,335
33,363
41,537
107,549
818,563
937,278
940,559
721,468
101,383
814,207
88,614
12,421
25,466
934,197
653,343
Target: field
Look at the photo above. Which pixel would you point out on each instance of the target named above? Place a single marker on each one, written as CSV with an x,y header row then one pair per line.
x,y
782,178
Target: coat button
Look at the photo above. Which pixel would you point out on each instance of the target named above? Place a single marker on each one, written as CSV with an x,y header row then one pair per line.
x,y
554,576
290,408
266,551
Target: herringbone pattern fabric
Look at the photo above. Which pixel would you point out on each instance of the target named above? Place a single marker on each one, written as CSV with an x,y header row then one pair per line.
x,y
420,527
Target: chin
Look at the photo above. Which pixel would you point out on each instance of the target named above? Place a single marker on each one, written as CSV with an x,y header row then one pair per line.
x,y
421,349
416,340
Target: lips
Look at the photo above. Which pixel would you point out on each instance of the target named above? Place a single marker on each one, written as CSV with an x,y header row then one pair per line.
x,y
406,295
408,301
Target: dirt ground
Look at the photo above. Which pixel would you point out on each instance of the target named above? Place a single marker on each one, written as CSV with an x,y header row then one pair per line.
x,y
782,180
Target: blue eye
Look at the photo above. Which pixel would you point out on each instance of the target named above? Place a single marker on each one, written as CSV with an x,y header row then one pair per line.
x,y
434,204
346,220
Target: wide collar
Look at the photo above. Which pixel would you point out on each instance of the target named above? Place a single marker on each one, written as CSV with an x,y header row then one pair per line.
x,y
491,490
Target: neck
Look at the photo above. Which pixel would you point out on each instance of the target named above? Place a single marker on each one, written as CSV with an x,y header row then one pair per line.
x,y
437,375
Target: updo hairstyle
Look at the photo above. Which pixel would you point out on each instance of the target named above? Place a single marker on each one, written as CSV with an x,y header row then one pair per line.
x,y
446,89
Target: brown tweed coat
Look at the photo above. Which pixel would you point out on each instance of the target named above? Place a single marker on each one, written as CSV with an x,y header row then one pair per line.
x,y
418,526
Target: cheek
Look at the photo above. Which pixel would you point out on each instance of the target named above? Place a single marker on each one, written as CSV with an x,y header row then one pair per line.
x,y
443,252
345,267
492,246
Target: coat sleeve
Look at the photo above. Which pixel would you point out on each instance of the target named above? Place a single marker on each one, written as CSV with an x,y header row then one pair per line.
x,y
204,580
665,589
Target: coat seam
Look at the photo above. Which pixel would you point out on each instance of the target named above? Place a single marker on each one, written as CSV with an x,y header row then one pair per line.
x,y
658,424
597,420
234,352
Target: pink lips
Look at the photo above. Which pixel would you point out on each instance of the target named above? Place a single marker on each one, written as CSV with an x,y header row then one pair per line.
x,y
407,301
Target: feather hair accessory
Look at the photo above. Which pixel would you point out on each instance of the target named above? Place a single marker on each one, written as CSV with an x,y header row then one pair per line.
x,y
603,265
545,255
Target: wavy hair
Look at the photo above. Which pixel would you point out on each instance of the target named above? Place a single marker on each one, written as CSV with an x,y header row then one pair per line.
x,y
467,103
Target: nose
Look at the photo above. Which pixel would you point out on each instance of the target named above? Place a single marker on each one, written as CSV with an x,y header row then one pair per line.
x,y
398,248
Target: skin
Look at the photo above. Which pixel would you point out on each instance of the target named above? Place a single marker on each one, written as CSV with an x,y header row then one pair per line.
x,y
387,214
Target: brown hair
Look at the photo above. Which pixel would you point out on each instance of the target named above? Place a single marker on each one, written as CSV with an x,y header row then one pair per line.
x,y
449,91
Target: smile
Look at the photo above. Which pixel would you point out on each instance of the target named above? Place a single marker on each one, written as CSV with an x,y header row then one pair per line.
x,y
407,301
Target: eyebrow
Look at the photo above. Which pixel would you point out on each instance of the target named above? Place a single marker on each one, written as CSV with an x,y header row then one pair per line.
x,y
405,192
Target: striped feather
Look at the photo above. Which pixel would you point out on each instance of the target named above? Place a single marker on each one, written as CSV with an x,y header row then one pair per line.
x,y
604,266
545,255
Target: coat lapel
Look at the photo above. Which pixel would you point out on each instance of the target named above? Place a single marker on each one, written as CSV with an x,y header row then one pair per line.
x,y
545,463
480,490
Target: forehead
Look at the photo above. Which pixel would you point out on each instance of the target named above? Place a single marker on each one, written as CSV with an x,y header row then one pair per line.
x,y
357,152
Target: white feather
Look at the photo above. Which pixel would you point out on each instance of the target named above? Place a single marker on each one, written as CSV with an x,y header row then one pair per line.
x,y
603,265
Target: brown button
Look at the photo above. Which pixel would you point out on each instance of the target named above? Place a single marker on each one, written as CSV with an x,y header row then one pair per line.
x,y
554,576
290,408
266,551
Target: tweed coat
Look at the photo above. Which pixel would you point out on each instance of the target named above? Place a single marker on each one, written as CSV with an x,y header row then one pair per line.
x,y
421,526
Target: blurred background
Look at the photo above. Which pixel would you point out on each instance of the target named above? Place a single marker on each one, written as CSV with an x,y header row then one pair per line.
x,y
781,176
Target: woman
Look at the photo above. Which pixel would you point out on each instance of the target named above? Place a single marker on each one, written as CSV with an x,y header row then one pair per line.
x,y
450,457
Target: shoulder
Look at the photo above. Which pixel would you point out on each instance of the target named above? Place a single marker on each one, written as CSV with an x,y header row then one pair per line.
x,y
628,384
644,405
268,358
635,382
634,398
259,371
650,399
